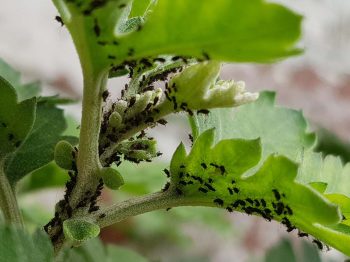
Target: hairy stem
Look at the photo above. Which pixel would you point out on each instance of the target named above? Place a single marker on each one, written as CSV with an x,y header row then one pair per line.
x,y
140,205
8,201
88,158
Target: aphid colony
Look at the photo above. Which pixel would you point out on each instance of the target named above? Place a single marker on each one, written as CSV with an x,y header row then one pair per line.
x,y
270,208
11,137
63,209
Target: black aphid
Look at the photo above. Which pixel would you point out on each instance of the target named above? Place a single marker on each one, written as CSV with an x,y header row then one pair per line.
x,y
97,29
132,101
111,57
159,59
218,201
166,187
210,187
182,166
59,19
277,194
206,56
236,190
229,209
102,216
250,201
204,165
162,122
203,111
178,191
203,190
302,234
318,244
10,137
230,191
105,95
263,202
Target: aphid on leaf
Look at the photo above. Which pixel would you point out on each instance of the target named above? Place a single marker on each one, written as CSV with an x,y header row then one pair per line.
x,y
111,57
102,216
166,187
159,59
230,191
204,165
162,122
236,190
277,194
229,209
132,101
190,137
97,29
302,234
210,187
203,111
318,244
175,58
122,6
263,202
10,137
201,189
166,171
59,19
105,95
218,201
178,191
206,56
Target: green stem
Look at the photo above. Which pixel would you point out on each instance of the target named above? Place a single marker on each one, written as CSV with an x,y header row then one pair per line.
x,y
88,158
140,205
8,201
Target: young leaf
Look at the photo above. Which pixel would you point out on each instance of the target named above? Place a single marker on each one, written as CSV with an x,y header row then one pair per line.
x,y
16,119
80,230
197,88
216,178
18,246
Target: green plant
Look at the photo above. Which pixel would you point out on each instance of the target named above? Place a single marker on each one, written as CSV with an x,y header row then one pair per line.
x,y
248,155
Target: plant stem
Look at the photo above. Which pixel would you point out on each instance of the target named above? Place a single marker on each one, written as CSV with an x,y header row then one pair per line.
x,y
88,158
140,205
8,201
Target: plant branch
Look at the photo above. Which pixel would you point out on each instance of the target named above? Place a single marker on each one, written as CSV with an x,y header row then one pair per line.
x,y
140,205
8,201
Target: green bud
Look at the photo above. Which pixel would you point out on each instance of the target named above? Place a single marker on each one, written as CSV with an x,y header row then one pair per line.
x,y
140,104
120,107
80,230
115,119
64,155
112,178
140,149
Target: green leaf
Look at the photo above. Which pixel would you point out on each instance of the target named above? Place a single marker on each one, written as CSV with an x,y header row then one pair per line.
x,y
80,230
217,178
284,251
16,245
231,30
24,91
94,251
281,252
281,130
228,30
16,119
122,254
38,148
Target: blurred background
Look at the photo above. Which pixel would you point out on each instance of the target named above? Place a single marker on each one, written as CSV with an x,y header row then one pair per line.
x,y
317,82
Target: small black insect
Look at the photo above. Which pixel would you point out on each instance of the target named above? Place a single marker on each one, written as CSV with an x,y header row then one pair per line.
x,y
122,6
132,101
230,191
166,187
210,187
203,111
222,170
218,201
204,165
190,137
59,19
206,56
102,216
111,57
302,234
250,201
263,202
236,190
182,166
155,100
277,194
229,209
159,59
203,190
11,137
105,95
162,122
168,209
182,183
318,243
93,209
175,58
97,29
